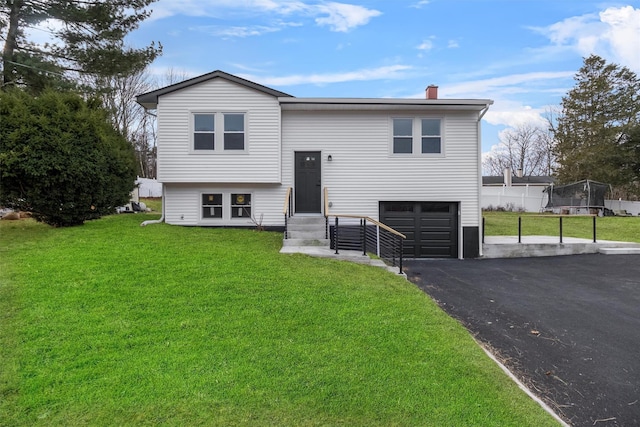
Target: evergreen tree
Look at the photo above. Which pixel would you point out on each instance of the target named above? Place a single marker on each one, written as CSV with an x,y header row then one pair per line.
x,y
61,158
597,115
630,164
89,39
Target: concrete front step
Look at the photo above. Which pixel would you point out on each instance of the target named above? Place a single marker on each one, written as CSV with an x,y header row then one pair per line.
x,y
307,234
306,220
306,242
305,227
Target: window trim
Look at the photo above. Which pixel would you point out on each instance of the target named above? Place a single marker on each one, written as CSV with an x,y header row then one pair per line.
x,y
195,132
219,132
394,136
233,206
227,206
202,205
416,146
422,135
226,132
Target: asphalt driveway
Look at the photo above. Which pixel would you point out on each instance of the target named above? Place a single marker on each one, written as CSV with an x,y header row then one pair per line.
x,y
568,327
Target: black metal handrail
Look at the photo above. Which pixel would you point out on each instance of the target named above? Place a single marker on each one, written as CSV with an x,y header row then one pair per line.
x,y
286,210
369,236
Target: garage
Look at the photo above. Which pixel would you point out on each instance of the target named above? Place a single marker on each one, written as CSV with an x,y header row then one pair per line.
x,y
431,227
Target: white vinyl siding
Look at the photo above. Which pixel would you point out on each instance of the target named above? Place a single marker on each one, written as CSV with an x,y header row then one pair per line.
x,y
258,162
364,171
184,204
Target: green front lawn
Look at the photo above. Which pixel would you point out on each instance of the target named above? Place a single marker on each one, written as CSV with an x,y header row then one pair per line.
x,y
111,323
625,229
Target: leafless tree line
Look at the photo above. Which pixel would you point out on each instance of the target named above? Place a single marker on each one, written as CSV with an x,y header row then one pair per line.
x,y
527,148
136,124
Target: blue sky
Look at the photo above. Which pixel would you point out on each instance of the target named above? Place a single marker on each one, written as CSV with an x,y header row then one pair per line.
x,y
522,54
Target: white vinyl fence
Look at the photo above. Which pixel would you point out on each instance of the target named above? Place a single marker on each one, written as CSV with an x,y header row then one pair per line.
x,y
528,198
618,205
533,199
149,187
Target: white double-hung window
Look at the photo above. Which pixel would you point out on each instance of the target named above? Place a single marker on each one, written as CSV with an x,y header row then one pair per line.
x,y
204,131
233,131
219,132
431,138
417,135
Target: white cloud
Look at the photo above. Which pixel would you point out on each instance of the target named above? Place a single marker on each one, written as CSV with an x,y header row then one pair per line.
x,y
453,44
514,114
614,34
344,17
505,111
624,34
380,73
425,45
420,4
221,31
339,17
505,85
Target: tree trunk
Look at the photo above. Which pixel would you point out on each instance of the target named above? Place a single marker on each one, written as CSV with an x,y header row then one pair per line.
x,y
11,43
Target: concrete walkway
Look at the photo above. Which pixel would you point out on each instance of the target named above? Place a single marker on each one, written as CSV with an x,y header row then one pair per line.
x,y
343,255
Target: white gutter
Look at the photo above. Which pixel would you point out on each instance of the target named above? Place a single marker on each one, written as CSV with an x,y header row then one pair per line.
x,y
482,113
484,110
156,221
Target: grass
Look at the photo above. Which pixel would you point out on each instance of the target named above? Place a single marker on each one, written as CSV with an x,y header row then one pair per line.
x,y
111,323
625,229
153,203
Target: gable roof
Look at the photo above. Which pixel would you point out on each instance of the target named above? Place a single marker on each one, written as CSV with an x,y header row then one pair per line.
x,y
289,102
150,99
516,180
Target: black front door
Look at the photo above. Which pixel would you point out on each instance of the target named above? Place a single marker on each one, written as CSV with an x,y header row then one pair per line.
x,y
308,194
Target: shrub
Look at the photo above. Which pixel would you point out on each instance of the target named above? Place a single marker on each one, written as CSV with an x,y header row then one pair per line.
x,y
61,159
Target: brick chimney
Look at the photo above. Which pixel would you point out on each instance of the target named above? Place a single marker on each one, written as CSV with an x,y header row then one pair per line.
x,y
432,92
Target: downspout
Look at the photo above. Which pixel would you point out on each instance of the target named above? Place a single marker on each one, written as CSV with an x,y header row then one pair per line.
x,y
156,221
479,131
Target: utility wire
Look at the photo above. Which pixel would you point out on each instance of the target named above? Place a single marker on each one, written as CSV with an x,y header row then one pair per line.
x,y
34,68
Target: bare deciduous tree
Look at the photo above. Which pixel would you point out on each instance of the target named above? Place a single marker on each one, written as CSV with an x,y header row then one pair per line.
x,y
526,148
130,118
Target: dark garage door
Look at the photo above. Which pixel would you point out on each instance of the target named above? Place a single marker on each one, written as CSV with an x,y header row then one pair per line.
x,y
431,227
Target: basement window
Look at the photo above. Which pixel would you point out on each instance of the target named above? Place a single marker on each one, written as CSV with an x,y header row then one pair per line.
x,y
240,205
212,205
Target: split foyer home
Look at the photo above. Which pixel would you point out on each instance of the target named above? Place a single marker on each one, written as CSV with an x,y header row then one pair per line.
x,y
231,152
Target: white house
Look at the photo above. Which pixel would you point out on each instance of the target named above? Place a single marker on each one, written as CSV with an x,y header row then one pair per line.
x,y
230,149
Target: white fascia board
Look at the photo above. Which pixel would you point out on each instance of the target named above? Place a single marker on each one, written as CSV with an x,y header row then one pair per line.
x,y
315,104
